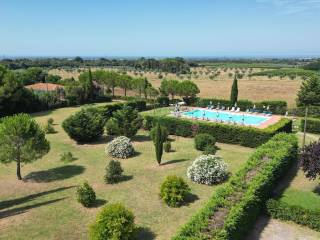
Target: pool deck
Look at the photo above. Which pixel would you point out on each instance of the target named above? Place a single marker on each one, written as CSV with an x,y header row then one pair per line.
x,y
272,119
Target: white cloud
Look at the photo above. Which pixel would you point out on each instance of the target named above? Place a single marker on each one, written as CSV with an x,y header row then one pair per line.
x,y
293,6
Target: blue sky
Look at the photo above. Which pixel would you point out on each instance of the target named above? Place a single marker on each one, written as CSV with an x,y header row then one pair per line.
x,y
160,27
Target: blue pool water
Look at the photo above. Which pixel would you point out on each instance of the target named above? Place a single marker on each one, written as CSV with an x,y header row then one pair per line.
x,y
227,117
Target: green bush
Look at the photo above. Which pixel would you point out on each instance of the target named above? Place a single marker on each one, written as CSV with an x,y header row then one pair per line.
x,y
163,101
210,150
113,172
84,126
167,146
283,211
112,127
113,222
48,128
313,111
203,140
246,192
66,157
241,135
128,121
108,110
86,195
50,121
174,190
313,125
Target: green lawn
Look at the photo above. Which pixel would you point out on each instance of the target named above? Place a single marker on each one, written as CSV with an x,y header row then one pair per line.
x,y
299,190
44,206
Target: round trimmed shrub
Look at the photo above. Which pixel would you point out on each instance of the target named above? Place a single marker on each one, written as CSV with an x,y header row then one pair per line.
x,y
202,140
86,195
50,121
208,169
84,126
113,222
120,147
112,127
66,157
167,146
174,190
113,172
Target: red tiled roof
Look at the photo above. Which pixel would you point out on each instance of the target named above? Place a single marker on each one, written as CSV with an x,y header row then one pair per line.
x,y
44,86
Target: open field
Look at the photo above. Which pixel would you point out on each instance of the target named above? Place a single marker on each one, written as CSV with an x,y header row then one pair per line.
x,y
44,205
257,88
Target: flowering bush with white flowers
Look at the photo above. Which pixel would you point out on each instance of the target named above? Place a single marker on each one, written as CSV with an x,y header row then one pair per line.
x,y
120,147
208,169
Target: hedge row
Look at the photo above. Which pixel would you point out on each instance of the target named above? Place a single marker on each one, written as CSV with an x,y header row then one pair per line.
x,y
234,207
107,110
313,125
313,111
283,211
277,107
241,135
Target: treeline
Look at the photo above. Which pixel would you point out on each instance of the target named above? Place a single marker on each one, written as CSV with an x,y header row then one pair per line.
x,y
171,65
314,65
15,98
285,72
254,63
91,87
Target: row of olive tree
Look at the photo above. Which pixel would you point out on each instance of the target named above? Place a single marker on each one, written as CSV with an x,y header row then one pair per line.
x,y
185,89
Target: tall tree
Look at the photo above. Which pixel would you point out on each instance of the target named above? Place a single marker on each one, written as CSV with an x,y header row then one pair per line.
x,y
188,90
125,82
169,87
159,136
308,95
86,82
21,140
310,160
234,90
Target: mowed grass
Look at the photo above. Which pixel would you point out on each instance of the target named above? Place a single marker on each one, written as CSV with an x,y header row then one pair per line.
x,y
44,206
300,190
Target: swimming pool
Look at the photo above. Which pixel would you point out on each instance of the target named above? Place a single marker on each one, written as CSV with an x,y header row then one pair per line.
x,y
227,117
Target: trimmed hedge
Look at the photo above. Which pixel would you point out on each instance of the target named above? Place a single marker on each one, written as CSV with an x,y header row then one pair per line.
x,y
240,201
313,111
241,135
277,107
283,211
313,125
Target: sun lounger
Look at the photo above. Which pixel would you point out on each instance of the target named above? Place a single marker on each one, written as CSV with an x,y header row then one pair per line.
x,y
238,109
232,109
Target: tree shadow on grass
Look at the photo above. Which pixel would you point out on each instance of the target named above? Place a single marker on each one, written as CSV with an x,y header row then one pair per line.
x,y
98,203
316,190
141,138
191,198
144,233
102,140
19,210
286,180
55,174
174,161
17,201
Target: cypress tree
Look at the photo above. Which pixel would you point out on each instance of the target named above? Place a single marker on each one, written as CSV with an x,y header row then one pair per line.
x,y
158,143
234,91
